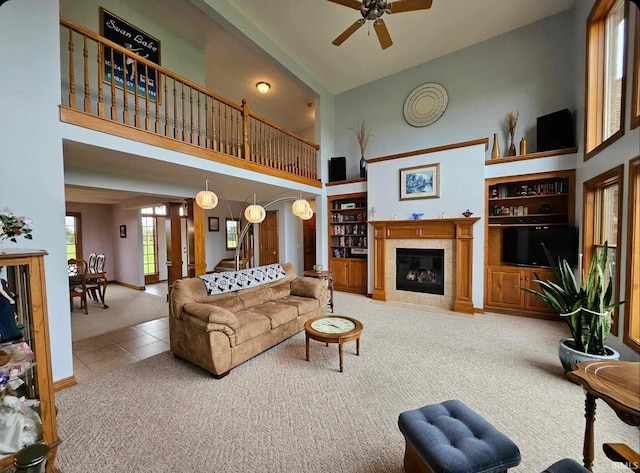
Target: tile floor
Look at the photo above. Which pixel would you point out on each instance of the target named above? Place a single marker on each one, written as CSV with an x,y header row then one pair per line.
x,y
112,350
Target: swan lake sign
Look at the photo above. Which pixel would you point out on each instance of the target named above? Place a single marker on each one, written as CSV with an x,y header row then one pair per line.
x,y
123,68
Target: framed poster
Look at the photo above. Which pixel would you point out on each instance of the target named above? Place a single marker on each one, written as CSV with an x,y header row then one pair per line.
x,y
123,68
123,231
214,224
420,182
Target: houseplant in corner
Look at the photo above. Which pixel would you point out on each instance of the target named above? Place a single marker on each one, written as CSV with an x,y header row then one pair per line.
x,y
585,307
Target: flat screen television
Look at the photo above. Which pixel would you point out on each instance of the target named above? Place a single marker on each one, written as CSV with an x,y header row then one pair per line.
x,y
523,245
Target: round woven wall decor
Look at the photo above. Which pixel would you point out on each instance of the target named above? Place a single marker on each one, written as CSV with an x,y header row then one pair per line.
x,y
425,104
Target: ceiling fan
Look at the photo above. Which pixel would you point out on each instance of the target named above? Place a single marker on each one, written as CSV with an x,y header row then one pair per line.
x,y
373,10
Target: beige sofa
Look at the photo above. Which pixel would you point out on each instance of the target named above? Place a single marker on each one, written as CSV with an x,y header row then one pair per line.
x,y
218,332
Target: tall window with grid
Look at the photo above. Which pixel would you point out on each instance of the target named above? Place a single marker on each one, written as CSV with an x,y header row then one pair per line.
x,y
74,235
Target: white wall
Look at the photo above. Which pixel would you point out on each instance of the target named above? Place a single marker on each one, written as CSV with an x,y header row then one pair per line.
x,y
215,242
31,153
618,153
128,251
530,70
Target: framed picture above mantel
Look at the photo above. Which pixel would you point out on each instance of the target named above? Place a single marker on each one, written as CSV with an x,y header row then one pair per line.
x,y
125,69
420,182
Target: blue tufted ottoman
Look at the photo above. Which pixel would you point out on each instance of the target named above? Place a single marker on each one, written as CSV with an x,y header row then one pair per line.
x,y
450,437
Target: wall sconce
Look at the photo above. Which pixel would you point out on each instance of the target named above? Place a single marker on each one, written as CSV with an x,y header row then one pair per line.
x,y
263,87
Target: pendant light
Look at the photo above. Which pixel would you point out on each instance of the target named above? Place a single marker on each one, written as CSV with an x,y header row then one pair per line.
x,y
300,207
206,199
255,213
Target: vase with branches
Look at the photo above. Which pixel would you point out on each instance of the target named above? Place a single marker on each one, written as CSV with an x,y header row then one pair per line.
x,y
363,135
512,122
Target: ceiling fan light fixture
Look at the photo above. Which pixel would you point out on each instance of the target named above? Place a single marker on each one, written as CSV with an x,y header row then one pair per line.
x,y
263,87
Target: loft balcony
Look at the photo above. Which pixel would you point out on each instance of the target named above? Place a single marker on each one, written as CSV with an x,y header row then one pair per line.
x,y
108,88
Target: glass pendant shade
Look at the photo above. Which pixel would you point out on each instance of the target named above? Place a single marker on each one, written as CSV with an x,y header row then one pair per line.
x,y
206,199
300,207
255,213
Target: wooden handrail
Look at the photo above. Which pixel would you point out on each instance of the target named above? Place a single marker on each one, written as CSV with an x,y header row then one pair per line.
x,y
286,132
148,97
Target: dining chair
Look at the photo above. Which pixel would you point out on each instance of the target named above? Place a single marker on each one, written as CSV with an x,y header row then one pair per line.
x,y
92,262
77,270
96,286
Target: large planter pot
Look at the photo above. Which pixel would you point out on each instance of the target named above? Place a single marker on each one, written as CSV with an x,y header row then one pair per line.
x,y
569,356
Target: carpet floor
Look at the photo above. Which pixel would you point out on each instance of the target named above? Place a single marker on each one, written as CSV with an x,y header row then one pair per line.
x,y
127,307
279,413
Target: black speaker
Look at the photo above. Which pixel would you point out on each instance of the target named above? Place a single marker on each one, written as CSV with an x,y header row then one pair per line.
x,y
338,169
555,131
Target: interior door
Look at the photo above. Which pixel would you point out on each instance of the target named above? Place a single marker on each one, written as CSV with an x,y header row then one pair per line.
x,y
269,242
309,239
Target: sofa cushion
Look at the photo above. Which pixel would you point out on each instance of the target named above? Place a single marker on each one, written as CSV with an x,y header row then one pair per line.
x,y
304,305
252,324
211,313
277,313
255,298
307,287
231,302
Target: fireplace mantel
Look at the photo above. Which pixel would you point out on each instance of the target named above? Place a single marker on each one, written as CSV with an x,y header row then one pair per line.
x,y
459,229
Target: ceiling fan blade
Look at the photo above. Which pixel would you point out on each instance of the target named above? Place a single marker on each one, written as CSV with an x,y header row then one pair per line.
x,y
400,6
355,4
383,33
348,32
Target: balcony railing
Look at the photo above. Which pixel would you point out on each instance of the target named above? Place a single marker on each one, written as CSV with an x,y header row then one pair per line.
x,y
105,80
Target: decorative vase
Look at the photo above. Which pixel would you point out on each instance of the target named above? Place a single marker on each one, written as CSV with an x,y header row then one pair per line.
x,y
512,147
570,356
523,145
363,167
495,151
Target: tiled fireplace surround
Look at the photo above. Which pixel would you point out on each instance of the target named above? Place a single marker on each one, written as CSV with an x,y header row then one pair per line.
x,y
454,235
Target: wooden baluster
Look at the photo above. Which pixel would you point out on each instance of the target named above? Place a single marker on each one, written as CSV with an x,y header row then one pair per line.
x,y
191,115
166,106
175,110
147,112
232,131
85,55
246,151
158,95
136,106
125,94
72,73
207,131
100,91
183,136
226,134
213,123
220,131
114,105
199,140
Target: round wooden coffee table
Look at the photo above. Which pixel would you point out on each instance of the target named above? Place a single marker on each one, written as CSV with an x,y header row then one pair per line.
x,y
334,329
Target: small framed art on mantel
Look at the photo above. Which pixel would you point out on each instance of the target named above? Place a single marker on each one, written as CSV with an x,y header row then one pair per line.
x,y
420,182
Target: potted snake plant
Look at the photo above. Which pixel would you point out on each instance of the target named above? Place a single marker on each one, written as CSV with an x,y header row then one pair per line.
x,y
585,307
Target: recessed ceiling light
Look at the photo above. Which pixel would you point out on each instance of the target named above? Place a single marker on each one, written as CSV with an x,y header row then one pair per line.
x,y
263,87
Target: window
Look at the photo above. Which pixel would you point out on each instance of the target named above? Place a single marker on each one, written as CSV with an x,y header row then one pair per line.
x,y
150,242
233,228
632,295
606,46
74,235
635,101
601,212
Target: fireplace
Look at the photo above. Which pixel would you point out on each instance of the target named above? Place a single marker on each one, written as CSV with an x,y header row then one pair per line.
x,y
420,270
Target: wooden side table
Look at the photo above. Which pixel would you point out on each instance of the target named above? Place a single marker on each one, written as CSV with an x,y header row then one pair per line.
x,y
615,382
326,276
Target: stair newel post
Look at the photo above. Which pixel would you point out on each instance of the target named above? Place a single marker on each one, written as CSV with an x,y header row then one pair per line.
x,y
246,152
